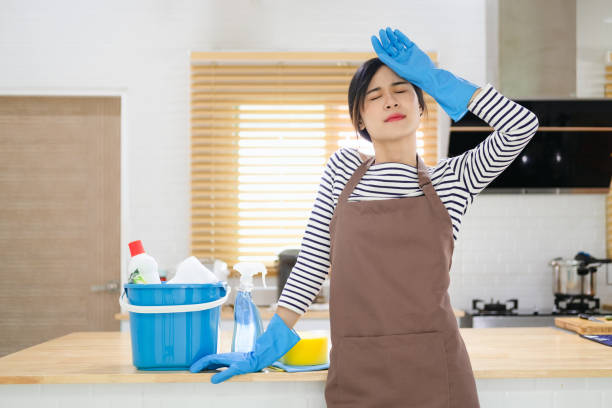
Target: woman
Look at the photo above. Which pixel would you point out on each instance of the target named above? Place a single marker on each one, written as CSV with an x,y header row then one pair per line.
x,y
395,340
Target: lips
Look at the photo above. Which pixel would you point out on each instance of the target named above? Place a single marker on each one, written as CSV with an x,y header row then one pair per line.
x,y
394,117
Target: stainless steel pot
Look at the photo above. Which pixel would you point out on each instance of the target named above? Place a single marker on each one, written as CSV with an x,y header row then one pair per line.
x,y
570,277
576,276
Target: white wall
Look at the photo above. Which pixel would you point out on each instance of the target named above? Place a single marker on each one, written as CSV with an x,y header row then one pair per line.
x,y
140,49
593,39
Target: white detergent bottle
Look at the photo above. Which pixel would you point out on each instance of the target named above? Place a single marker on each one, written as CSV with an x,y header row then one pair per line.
x,y
142,266
247,321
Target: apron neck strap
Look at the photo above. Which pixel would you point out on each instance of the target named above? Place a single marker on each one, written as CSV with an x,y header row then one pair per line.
x,y
424,180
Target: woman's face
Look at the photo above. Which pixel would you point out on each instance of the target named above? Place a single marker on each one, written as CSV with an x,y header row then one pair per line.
x,y
387,94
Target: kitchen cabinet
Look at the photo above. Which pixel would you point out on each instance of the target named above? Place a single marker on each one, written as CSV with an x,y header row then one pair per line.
x,y
515,366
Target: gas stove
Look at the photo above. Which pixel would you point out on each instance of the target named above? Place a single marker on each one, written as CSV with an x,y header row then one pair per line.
x,y
508,314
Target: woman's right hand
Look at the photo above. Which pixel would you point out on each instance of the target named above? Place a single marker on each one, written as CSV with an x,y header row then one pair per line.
x,y
409,62
403,56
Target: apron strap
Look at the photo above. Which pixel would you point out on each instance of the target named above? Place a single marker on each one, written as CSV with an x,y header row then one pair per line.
x,y
422,173
354,180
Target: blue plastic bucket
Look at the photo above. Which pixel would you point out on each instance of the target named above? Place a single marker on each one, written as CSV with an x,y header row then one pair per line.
x,y
173,325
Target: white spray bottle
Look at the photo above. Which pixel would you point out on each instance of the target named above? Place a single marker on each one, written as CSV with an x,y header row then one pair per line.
x,y
247,321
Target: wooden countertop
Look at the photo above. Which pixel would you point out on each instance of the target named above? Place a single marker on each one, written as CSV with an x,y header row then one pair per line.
x,y
317,311
503,352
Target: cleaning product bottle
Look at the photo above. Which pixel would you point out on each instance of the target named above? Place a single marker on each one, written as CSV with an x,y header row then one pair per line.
x,y
142,267
247,321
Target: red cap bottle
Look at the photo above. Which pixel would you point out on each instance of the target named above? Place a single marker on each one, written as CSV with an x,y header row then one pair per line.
x,y
136,248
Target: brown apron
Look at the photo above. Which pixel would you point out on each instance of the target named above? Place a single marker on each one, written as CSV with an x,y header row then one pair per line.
x,y
395,339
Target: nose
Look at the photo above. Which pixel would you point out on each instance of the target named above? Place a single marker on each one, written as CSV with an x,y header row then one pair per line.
x,y
393,102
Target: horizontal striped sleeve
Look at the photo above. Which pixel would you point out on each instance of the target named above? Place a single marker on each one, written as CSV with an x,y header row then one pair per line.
x,y
452,194
312,265
514,126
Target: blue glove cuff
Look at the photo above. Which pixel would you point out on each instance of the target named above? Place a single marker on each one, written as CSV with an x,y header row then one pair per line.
x,y
274,343
451,92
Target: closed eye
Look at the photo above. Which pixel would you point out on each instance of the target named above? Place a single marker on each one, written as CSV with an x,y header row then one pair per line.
x,y
379,96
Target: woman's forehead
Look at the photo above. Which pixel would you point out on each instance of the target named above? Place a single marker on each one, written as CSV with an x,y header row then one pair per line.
x,y
384,72
383,78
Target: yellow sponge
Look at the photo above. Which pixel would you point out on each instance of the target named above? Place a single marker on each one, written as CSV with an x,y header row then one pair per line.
x,y
310,350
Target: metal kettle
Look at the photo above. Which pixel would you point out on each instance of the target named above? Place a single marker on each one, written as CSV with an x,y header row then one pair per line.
x,y
576,276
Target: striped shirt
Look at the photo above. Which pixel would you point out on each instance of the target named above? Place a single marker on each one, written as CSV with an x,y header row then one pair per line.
x,y
457,180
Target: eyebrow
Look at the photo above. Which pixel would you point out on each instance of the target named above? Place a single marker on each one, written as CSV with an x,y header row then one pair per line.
x,y
393,84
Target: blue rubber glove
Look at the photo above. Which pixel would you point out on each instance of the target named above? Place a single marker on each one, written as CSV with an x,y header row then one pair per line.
x,y
273,343
411,63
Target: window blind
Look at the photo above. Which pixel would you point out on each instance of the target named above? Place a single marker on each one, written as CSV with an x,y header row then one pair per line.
x,y
263,126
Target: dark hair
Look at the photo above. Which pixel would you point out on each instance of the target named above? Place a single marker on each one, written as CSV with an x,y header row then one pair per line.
x,y
358,87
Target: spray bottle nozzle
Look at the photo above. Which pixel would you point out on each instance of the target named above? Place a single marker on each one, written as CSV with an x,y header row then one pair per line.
x,y
247,270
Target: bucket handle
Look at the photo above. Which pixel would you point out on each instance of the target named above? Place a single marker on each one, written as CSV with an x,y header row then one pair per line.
x,y
196,307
